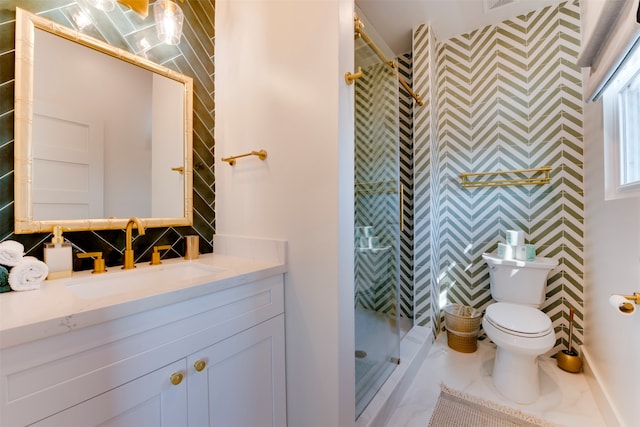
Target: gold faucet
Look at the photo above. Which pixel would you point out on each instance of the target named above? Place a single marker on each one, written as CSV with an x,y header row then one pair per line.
x,y
129,261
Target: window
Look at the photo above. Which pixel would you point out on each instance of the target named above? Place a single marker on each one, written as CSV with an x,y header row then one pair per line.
x,y
621,103
629,110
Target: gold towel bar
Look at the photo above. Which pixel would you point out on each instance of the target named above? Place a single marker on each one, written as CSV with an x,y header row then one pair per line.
x,y
536,179
262,154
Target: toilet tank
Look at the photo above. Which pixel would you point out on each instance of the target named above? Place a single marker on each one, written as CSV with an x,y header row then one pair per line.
x,y
519,282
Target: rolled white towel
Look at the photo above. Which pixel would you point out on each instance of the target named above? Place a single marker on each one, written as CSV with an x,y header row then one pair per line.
x,y
11,252
27,274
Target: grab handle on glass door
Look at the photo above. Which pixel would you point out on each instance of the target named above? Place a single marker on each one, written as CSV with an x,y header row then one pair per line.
x,y
401,192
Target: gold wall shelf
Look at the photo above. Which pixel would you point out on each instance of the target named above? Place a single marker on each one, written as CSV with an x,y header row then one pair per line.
x,y
262,154
536,176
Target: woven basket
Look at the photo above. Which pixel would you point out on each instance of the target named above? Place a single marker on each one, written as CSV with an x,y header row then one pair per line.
x,y
461,318
462,343
463,326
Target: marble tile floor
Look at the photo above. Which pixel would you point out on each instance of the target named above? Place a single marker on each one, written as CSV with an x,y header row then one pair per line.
x,y
565,398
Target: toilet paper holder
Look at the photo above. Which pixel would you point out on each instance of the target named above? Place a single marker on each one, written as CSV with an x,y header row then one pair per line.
x,y
635,297
625,306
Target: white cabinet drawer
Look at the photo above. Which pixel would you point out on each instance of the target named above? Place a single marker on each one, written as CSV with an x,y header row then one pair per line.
x,y
46,376
149,401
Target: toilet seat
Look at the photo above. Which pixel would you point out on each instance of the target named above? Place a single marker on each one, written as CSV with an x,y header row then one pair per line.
x,y
518,320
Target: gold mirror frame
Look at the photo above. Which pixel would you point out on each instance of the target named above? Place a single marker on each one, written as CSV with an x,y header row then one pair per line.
x,y
26,23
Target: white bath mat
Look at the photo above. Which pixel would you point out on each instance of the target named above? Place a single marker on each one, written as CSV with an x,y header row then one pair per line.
x,y
457,409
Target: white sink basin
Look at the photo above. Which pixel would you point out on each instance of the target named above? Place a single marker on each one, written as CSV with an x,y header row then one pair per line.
x,y
120,281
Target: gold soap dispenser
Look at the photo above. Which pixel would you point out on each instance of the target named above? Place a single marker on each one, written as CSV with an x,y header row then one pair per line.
x,y
58,256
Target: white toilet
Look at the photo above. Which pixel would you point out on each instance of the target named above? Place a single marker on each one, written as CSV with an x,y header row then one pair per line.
x,y
520,331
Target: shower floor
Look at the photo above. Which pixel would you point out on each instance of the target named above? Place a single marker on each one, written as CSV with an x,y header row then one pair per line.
x,y
375,341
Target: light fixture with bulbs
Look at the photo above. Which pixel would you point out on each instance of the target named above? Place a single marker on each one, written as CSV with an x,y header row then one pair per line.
x,y
166,13
141,7
169,18
82,19
106,5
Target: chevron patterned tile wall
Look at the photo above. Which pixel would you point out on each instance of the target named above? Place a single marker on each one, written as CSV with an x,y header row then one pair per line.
x,y
508,96
423,203
405,69
124,29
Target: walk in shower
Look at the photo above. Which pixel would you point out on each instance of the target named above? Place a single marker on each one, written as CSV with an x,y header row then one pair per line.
x,y
378,210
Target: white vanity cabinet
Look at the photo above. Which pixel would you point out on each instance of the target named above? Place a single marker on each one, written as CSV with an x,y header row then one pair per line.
x,y
214,360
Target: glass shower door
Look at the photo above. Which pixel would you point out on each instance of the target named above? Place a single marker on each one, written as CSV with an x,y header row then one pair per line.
x,y
377,223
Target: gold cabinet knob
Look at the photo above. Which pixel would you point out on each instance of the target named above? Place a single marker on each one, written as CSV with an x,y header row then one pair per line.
x,y
200,365
176,378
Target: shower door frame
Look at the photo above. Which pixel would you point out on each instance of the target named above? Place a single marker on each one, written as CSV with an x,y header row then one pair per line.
x,y
378,204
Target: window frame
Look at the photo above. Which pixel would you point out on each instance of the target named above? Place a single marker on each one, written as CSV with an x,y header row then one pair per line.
x,y
613,124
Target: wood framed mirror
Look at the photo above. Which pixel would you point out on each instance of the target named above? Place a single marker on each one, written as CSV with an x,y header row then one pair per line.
x,y
101,135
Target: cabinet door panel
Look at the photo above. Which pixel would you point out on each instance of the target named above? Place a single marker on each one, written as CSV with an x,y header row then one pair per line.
x,y
243,384
151,400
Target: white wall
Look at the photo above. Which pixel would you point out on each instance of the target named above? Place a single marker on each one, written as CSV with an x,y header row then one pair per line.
x,y
612,252
612,238
280,87
592,12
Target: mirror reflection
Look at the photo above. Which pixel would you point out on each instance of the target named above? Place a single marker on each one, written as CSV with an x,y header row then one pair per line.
x,y
107,135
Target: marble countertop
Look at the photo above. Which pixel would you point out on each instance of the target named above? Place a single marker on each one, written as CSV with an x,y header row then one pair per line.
x,y
55,309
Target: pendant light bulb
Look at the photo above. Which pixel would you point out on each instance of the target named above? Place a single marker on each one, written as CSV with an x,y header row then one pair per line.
x,y
106,5
169,18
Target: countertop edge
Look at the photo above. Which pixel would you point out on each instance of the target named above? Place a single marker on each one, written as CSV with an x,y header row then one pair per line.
x,y
72,313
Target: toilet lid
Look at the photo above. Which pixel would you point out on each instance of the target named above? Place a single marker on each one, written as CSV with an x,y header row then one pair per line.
x,y
518,319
